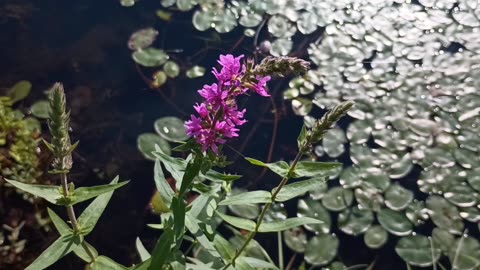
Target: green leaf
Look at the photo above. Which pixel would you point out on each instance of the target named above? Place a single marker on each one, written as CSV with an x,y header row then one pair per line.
x,y
142,266
220,177
61,247
191,171
142,251
41,109
162,185
86,193
88,219
416,250
257,263
241,223
150,57
162,250
280,167
258,196
19,91
321,249
313,168
191,224
226,250
79,250
465,254
50,193
282,225
298,188
179,210
147,143
105,263
301,136
175,166
59,224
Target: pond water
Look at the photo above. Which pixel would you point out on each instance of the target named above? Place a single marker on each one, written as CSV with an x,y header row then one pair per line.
x,y
409,148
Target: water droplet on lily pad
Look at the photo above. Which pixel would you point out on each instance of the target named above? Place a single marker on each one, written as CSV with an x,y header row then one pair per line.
x,y
146,144
321,249
150,57
375,237
171,128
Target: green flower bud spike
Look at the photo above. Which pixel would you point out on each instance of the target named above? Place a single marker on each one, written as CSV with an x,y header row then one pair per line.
x,y
60,145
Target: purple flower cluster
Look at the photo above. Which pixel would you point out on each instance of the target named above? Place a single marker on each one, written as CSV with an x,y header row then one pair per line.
x,y
219,116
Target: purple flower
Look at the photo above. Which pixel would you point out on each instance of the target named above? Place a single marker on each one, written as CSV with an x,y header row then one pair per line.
x,y
261,86
231,68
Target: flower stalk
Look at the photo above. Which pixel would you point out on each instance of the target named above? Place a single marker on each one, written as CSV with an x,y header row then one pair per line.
x,y
313,136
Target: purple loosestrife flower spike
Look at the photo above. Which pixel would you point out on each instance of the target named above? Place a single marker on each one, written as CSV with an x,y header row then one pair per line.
x,y
219,116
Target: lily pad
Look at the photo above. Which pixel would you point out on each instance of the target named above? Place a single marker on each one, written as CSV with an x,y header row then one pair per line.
x,y
375,237
397,197
465,254
195,72
146,144
321,249
314,209
171,69
417,250
150,57
171,129
444,215
295,239
142,38
461,195
355,221
394,222
337,199
443,240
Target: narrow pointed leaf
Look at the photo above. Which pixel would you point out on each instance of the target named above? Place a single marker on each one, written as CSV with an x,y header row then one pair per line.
x,y
252,197
88,219
191,171
105,263
240,223
61,247
192,226
176,166
280,167
179,210
142,251
162,185
220,177
59,224
79,250
313,168
301,136
282,225
86,193
142,266
298,188
257,263
226,250
50,193
162,250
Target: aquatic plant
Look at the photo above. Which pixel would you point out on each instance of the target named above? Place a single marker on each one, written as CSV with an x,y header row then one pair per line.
x,y
65,194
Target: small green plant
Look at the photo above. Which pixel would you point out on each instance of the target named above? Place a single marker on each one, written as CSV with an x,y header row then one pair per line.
x,y
65,194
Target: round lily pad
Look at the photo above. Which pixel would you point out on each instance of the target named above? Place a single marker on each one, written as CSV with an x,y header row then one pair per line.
x,y
358,132
321,249
171,129
369,198
159,79
375,237
171,69
355,221
295,239
150,57
281,47
146,144
350,177
397,197
416,212
195,72
337,199
203,19
444,215
377,178
443,240
461,195
142,38
417,250
333,142
41,109
465,254
19,91
319,191
314,209
401,167
394,222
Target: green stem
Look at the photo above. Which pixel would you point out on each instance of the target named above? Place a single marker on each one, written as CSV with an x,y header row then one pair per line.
x,y
267,206
280,250
72,217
